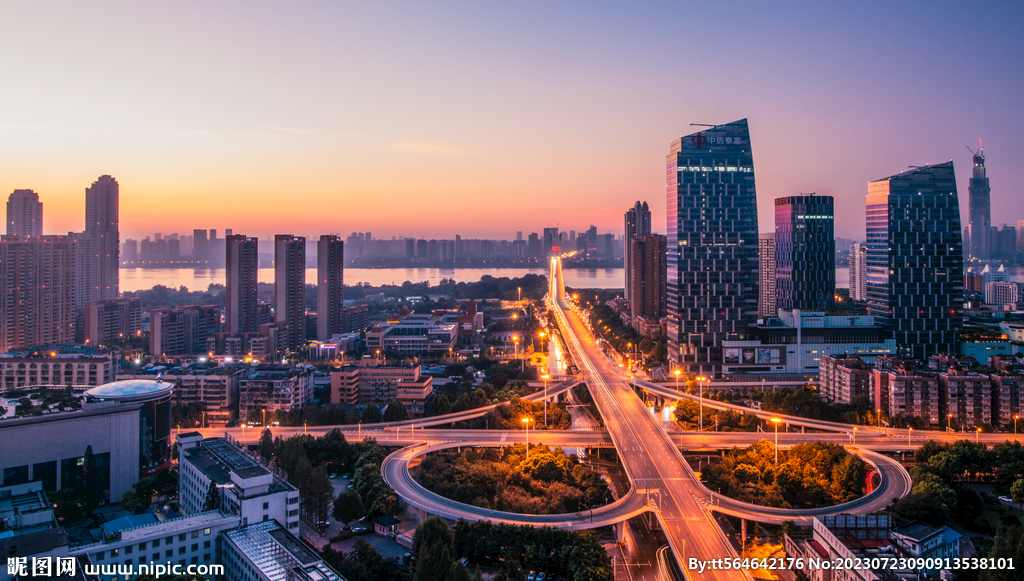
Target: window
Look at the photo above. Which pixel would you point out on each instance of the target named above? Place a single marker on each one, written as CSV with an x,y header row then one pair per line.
x,y
181,537
206,532
168,553
181,550
113,552
142,546
128,550
99,555
169,540
266,517
266,505
156,543
195,534
206,544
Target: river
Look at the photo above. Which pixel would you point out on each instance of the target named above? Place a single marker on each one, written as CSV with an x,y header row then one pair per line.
x,y
133,279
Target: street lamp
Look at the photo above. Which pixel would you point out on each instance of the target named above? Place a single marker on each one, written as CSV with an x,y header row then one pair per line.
x,y
700,398
776,421
264,417
1015,418
545,377
977,436
526,422
677,373
854,435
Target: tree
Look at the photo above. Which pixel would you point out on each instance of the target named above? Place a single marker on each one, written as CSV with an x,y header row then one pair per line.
x,y
266,445
438,405
371,414
347,507
395,412
1017,491
212,497
430,531
318,494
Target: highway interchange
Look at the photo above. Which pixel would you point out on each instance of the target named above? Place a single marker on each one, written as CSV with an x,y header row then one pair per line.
x,y
662,481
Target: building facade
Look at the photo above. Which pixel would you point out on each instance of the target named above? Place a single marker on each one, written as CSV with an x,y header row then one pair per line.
x,y
915,274
182,330
712,245
647,282
767,302
805,253
112,321
370,383
290,287
858,272
330,286
99,246
242,256
37,279
275,388
637,223
24,214
980,209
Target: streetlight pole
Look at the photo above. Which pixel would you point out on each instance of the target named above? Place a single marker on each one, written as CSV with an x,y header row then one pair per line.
x,y
545,377
977,436
264,418
776,421
526,422
677,373
700,399
854,435
1015,418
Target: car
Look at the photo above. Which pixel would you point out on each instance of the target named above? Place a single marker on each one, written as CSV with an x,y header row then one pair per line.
x,y
1005,499
346,476
351,487
364,519
542,576
334,475
532,576
358,530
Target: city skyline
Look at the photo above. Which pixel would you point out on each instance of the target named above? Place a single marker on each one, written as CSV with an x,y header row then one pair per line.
x,y
330,118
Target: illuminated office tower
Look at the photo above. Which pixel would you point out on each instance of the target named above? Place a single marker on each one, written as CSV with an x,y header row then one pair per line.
x,y
805,253
712,244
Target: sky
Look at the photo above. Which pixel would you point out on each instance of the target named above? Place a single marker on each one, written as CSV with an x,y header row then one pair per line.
x,y
431,119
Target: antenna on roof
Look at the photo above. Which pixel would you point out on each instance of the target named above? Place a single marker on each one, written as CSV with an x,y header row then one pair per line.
x,y
701,125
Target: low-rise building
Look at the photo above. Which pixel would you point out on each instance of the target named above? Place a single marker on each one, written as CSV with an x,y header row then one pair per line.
x,y
842,378
334,348
415,333
968,396
28,529
251,490
931,544
275,388
215,387
112,320
795,342
368,382
999,294
183,541
182,330
264,551
847,537
52,368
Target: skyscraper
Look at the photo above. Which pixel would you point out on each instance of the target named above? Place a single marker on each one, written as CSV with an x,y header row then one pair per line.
x,y
915,273
712,244
638,223
242,259
37,279
24,214
805,253
980,208
330,285
767,305
550,241
290,287
99,246
858,272
647,282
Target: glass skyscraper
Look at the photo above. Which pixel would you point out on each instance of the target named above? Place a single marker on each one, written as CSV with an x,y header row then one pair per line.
x,y
915,259
980,209
805,253
712,244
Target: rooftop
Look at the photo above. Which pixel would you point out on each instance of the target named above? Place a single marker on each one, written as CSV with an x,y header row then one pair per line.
x,y
217,458
131,390
278,555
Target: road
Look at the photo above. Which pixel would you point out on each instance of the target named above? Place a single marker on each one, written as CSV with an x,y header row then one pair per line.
x,y
651,459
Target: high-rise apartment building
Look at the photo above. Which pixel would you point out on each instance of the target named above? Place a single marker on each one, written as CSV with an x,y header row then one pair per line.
x,y
37,279
646,284
99,246
980,208
712,244
290,287
182,330
24,214
915,273
805,253
242,256
638,223
330,286
858,272
767,304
